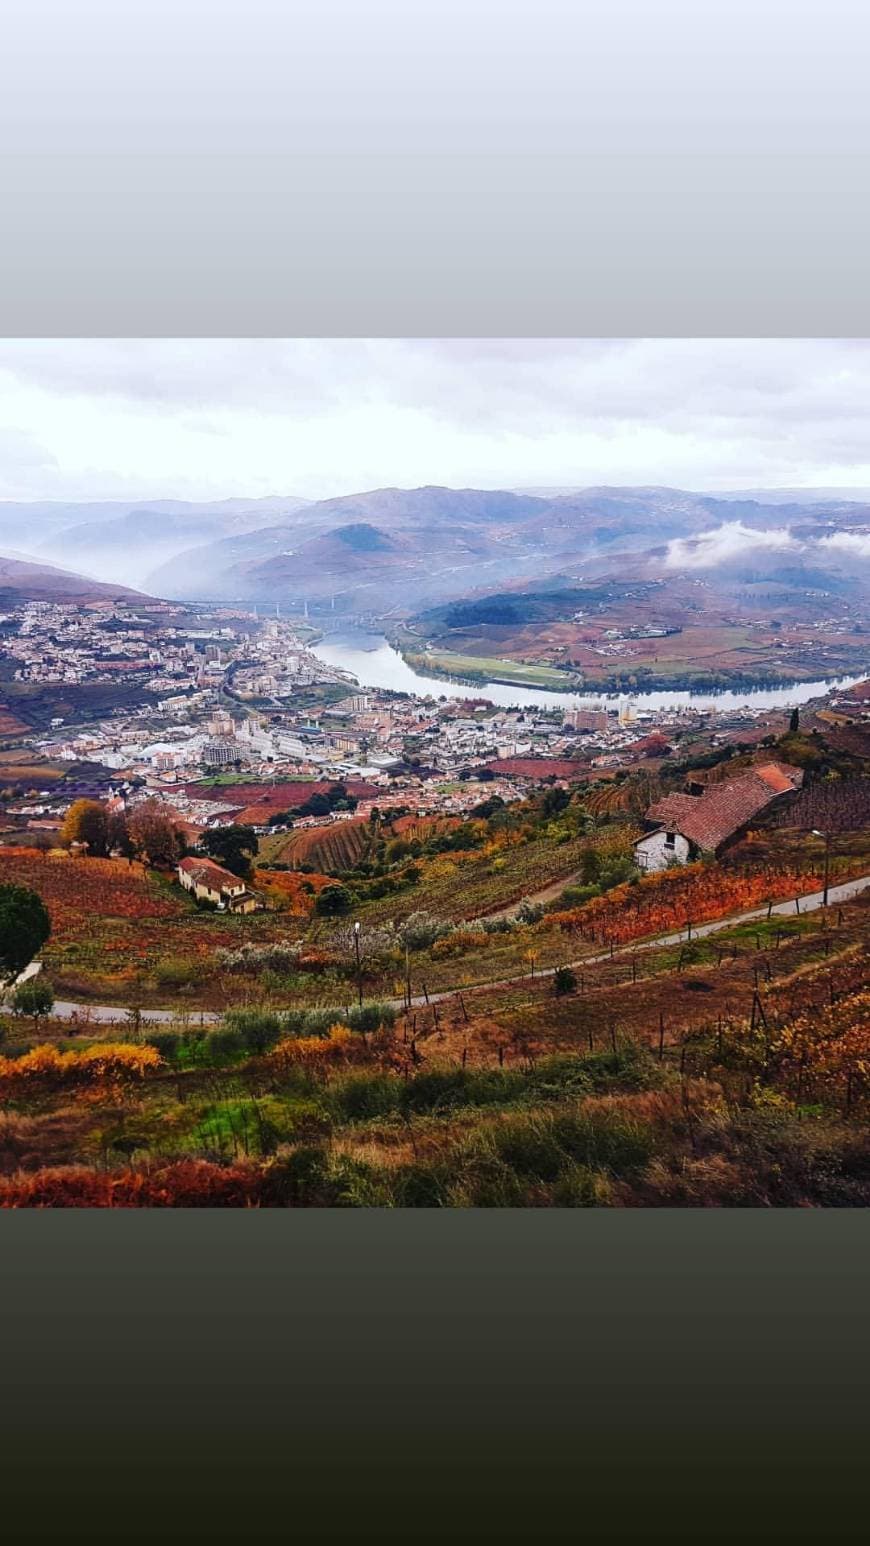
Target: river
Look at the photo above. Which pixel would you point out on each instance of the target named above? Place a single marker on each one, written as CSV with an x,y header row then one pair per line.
x,y
375,663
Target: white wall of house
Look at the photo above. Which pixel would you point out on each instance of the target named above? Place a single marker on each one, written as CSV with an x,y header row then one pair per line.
x,y
659,849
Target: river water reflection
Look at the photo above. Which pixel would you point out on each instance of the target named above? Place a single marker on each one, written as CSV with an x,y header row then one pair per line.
x,y
375,663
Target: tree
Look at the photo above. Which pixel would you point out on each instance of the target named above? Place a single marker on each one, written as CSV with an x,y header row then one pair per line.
x,y
118,839
794,721
564,980
333,901
154,835
374,947
590,866
87,822
233,847
35,998
555,801
24,928
317,804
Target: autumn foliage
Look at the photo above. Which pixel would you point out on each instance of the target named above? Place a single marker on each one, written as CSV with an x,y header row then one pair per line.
x,y
183,1184
314,1051
292,891
78,891
668,901
335,847
110,1062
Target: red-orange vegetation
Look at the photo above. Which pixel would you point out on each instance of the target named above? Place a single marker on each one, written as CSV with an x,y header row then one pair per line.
x,y
183,1184
666,902
292,890
76,891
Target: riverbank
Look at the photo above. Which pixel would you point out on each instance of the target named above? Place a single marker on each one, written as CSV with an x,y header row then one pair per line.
x,y
376,662
450,665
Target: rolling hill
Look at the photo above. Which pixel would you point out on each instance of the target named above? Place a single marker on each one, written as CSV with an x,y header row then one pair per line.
x,y
405,550
22,579
115,540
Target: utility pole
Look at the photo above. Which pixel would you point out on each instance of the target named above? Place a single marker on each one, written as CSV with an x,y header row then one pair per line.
x,y
827,838
356,929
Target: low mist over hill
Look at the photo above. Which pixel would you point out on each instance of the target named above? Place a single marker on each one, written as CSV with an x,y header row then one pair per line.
x,y
126,541
22,580
401,550
404,549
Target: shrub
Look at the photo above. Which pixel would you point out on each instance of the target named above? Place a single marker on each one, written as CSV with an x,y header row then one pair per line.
x,y
371,1017
114,1061
498,925
422,1185
226,1041
253,958
360,1097
422,929
333,901
166,1043
257,1029
311,1178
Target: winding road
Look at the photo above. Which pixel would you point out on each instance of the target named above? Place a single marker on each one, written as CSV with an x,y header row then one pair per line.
x,y
115,1014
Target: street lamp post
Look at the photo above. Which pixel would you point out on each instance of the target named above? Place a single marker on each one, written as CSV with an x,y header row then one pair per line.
x,y
358,964
827,838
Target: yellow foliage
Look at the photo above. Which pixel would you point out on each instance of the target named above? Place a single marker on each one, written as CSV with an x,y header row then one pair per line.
x,y
313,1049
108,1060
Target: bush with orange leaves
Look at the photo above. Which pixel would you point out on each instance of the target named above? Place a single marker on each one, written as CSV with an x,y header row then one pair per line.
x,y
830,1042
182,1184
106,1062
337,1046
458,943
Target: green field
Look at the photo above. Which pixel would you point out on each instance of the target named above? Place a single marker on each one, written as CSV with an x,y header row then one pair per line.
x,y
489,668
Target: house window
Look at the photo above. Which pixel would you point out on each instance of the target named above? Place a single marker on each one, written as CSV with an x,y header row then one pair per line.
x,y
670,839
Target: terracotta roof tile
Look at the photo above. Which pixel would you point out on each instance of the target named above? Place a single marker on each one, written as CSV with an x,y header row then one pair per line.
x,y
207,873
710,818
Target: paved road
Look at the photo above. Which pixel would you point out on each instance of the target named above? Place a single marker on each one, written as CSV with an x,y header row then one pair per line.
x,y
805,904
113,1014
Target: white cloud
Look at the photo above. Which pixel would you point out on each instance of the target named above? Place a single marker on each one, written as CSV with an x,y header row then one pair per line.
x,y
856,543
203,418
732,540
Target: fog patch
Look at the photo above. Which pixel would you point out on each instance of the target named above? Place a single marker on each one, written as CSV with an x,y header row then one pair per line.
x,y
725,543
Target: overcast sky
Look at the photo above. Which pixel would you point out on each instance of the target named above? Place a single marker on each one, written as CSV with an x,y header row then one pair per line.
x,y
206,418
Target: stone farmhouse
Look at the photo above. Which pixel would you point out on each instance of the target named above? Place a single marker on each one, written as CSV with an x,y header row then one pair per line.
x,y
683,827
209,882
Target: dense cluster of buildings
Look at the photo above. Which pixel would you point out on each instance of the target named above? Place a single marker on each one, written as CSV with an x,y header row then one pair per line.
x,y
224,696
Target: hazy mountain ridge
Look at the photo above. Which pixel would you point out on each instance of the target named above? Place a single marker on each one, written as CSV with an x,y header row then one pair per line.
x,y
428,545
22,579
408,549
117,540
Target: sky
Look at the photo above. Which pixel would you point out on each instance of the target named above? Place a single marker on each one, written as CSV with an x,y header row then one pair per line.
x,y
90,419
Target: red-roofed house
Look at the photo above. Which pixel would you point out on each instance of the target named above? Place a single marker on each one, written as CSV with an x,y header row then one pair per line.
x,y
684,826
209,882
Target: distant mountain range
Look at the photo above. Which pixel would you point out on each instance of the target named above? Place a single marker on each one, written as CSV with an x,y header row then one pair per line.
x,y
114,540
23,580
400,550
403,550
